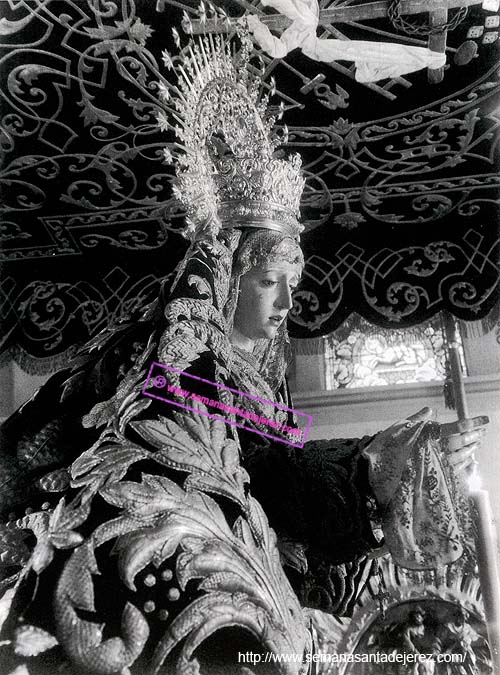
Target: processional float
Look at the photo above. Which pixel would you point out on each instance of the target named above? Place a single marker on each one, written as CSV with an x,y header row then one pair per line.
x,y
438,23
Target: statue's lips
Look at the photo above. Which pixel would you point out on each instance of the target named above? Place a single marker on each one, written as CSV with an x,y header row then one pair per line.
x,y
276,319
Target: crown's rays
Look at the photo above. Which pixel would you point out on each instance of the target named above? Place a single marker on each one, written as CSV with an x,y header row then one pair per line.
x,y
226,171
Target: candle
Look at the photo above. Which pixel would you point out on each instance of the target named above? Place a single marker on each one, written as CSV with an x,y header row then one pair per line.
x,y
487,558
485,530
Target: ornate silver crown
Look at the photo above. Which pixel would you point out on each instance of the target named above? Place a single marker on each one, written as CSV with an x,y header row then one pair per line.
x,y
227,171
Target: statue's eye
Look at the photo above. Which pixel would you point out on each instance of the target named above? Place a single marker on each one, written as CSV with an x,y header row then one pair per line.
x,y
268,282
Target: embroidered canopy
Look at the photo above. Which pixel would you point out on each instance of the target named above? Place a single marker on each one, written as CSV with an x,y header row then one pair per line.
x,y
401,199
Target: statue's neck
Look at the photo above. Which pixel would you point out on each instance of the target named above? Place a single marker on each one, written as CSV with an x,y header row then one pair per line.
x,y
241,341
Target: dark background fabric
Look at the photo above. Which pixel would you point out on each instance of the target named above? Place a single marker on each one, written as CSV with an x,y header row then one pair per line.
x,y
400,206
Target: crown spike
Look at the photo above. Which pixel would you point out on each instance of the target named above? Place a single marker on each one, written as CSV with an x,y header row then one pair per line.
x,y
213,51
202,44
178,92
178,119
188,80
202,13
194,61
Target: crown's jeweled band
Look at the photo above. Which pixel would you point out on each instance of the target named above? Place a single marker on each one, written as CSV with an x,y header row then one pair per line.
x,y
258,214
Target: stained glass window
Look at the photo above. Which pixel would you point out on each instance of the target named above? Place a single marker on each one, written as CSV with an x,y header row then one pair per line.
x,y
360,354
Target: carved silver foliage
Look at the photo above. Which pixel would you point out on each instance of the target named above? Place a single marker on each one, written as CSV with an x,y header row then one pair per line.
x,y
234,565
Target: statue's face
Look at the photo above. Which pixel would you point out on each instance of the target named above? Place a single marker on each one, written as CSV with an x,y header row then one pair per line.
x,y
265,299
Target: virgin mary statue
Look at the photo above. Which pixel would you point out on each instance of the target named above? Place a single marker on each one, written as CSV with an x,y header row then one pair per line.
x,y
167,516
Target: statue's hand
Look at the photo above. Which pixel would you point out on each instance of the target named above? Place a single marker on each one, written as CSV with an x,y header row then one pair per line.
x,y
389,450
388,453
462,439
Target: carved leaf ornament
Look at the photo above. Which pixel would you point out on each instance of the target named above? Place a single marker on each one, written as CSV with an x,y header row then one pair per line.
x,y
235,567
